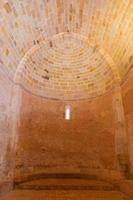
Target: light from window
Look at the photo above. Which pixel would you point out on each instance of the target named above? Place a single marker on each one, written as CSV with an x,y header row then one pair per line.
x,y
67,113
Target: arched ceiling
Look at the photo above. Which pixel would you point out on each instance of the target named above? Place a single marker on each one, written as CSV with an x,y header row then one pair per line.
x,y
66,66
66,49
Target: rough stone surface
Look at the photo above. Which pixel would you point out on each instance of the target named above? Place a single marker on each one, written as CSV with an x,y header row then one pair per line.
x,y
6,139
5,129
46,141
127,91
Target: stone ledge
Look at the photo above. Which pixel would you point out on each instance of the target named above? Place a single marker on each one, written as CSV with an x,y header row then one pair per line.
x,y
111,176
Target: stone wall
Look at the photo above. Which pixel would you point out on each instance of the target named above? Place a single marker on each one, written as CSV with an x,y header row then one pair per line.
x,y
49,143
6,173
127,93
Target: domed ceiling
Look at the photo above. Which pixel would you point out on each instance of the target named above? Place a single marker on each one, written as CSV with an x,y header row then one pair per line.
x,y
66,66
66,49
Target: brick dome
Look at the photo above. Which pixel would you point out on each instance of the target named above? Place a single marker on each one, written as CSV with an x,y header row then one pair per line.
x,y
65,67
84,45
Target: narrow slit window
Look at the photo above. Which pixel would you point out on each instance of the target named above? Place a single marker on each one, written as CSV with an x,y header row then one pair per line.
x,y
67,113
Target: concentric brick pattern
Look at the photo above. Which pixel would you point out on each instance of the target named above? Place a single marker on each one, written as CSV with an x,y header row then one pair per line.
x,y
107,23
66,67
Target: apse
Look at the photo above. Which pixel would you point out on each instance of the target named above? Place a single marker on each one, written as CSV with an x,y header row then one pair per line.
x,y
66,99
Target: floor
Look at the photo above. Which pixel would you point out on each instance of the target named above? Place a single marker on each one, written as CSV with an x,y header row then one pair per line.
x,y
63,195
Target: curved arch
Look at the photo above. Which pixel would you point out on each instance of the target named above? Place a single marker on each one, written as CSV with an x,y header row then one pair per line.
x,y
95,47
